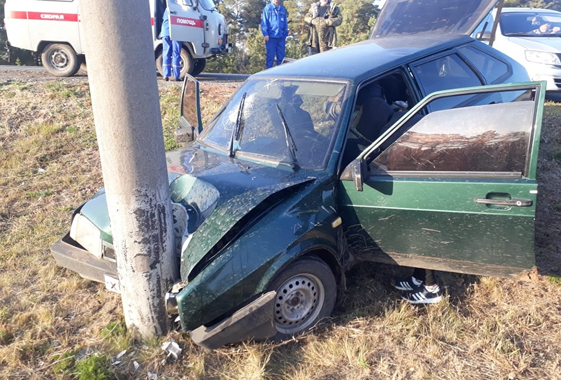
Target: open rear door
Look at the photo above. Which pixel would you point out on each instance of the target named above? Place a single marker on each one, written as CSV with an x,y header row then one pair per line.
x,y
399,17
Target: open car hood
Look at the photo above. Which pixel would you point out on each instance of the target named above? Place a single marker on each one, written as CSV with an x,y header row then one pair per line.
x,y
460,17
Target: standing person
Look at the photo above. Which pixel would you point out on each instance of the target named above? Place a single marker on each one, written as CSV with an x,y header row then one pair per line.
x,y
322,19
274,26
171,51
421,287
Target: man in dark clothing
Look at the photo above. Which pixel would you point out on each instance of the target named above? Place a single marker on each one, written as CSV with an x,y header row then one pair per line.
x,y
274,26
322,19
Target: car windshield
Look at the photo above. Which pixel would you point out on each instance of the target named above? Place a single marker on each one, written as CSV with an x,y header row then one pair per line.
x,y
288,122
207,4
531,24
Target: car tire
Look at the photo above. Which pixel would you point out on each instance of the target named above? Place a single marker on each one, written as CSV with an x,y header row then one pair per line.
x,y
187,63
60,60
306,293
198,66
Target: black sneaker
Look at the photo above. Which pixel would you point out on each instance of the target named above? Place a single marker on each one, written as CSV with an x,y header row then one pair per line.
x,y
423,295
407,283
166,79
179,79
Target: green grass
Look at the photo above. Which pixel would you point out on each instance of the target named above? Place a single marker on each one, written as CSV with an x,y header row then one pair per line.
x,y
486,328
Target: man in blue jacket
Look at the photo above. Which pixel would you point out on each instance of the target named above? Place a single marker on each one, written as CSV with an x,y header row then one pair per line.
x,y
274,26
171,51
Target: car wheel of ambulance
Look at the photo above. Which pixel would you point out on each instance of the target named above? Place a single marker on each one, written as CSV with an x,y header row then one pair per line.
x,y
198,66
306,293
60,60
187,64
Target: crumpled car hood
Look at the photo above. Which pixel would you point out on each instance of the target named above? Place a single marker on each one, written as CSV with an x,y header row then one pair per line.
x,y
236,188
242,186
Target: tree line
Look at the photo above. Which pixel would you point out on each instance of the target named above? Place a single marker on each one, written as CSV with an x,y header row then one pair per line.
x,y
244,17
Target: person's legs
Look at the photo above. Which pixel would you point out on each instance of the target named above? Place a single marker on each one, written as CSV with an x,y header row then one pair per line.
x,y
271,51
166,56
427,291
280,50
176,59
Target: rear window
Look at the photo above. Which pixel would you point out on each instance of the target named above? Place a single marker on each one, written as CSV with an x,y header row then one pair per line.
x,y
491,68
445,73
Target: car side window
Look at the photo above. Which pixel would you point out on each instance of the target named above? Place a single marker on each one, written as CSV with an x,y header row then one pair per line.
x,y
491,68
469,140
445,73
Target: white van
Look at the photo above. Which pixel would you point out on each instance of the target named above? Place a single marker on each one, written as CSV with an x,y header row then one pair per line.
x,y
530,36
51,28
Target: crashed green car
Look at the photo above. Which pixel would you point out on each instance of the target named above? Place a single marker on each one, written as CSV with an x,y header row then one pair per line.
x,y
362,153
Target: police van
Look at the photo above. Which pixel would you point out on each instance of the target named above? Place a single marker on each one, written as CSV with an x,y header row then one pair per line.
x,y
52,29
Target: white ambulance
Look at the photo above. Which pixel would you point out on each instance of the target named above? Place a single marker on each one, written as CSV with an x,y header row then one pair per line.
x,y
51,28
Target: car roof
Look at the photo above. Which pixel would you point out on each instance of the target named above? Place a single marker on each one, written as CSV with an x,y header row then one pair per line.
x,y
365,59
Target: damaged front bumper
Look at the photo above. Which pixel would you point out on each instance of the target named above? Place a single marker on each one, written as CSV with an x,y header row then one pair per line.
x,y
253,321
73,256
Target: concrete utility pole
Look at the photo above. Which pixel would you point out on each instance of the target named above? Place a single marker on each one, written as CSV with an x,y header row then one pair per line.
x,y
126,109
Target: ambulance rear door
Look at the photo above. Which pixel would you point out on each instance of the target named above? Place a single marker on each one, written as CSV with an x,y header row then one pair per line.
x,y
55,21
17,24
186,24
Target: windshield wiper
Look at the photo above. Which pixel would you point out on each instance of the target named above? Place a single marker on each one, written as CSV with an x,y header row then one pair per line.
x,y
289,141
238,128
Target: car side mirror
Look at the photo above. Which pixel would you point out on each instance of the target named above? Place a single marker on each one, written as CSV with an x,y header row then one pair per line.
x,y
358,173
483,36
190,118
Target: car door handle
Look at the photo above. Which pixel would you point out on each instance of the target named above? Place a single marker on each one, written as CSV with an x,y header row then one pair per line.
x,y
505,202
173,12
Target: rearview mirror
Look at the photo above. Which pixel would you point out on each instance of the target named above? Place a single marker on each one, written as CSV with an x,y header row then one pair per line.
x,y
483,36
190,119
357,173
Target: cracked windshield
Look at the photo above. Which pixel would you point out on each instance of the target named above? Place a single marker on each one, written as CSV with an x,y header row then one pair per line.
x,y
284,121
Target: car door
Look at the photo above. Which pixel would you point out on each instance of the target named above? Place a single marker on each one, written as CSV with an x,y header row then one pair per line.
x,y
454,189
185,23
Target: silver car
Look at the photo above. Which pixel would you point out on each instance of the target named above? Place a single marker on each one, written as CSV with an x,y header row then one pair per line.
x,y
530,36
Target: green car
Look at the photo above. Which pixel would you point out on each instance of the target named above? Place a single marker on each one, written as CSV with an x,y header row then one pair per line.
x,y
417,150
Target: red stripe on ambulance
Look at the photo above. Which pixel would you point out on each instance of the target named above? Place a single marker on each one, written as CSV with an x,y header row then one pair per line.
x,y
72,17
184,21
53,16
17,15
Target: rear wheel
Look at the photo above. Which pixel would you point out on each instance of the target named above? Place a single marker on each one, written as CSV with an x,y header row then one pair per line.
x,y
60,60
187,63
306,293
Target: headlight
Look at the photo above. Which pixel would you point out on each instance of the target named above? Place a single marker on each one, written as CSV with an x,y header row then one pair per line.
x,y
542,57
86,234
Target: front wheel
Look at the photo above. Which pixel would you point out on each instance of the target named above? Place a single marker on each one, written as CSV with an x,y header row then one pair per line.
x,y
60,60
187,63
306,293
198,66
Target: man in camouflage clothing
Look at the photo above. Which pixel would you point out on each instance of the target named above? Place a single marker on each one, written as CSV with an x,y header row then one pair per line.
x,y
322,19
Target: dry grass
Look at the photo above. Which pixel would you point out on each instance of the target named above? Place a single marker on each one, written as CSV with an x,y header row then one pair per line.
x,y
53,324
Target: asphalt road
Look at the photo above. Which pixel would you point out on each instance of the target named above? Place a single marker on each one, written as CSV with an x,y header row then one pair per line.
x,y
38,73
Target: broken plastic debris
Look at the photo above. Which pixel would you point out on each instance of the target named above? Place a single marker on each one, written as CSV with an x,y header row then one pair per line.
x,y
41,170
120,354
117,362
172,348
152,376
136,365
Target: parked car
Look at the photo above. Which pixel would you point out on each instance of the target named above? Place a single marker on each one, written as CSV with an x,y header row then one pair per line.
x,y
519,36
362,153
